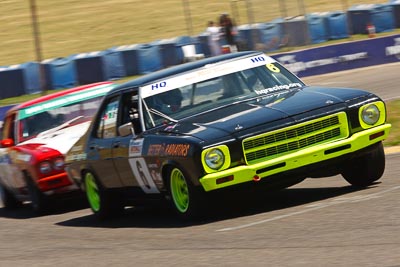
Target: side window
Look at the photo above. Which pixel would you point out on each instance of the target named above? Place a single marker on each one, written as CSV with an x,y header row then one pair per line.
x,y
107,124
130,110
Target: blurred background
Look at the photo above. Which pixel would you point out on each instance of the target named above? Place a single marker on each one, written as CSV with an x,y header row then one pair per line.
x,y
75,26
47,44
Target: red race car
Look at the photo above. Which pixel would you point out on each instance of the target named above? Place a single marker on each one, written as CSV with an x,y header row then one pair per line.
x,y
36,136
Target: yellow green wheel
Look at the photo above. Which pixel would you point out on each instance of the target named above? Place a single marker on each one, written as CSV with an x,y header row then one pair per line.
x,y
92,192
179,190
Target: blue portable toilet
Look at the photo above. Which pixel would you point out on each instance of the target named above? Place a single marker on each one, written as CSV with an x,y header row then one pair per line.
x,y
317,28
296,31
396,12
89,67
270,35
359,17
12,81
168,51
203,43
336,25
113,65
60,73
31,74
382,18
247,34
140,58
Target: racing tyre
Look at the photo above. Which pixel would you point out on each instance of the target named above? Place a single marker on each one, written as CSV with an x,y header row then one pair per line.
x,y
367,169
39,201
8,200
103,204
188,201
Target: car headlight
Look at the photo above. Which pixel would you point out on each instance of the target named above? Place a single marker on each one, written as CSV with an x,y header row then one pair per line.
x,y
58,164
216,158
45,167
372,114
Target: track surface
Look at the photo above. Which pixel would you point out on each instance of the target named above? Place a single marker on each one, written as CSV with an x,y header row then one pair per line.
x,y
320,222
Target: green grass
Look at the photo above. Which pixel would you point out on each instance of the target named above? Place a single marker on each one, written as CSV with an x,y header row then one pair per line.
x,y
393,108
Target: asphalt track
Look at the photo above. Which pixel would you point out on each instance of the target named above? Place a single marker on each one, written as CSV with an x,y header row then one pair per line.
x,y
320,222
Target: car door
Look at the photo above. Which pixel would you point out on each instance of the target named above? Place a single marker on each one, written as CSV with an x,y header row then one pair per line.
x,y
131,166
100,145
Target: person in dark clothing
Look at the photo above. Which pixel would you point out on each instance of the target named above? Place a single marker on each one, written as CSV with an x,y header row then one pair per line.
x,y
229,30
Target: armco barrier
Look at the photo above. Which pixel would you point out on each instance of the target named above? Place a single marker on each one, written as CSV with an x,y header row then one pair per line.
x,y
340,57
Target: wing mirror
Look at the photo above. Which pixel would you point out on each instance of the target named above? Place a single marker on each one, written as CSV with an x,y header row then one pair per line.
x,y
7,142
126,129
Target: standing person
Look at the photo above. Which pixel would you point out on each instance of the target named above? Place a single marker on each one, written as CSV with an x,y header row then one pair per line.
x,y
213,38
229,30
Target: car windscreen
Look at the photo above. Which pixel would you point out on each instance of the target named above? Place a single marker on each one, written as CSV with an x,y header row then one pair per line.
x,y
204,95
67,115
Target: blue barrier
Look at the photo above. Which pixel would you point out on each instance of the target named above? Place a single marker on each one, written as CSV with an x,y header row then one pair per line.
x,y
60,73
342,56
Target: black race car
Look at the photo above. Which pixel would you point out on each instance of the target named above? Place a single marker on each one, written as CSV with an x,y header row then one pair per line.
x,y
234,121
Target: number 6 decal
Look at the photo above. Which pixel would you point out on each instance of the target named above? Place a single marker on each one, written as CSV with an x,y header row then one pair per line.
x,y
142,175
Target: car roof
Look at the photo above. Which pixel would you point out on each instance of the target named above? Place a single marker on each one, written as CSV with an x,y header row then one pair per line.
x,y
55,95
161,74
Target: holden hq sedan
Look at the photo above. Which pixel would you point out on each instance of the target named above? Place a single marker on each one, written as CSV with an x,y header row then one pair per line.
x,y
36,136
228,123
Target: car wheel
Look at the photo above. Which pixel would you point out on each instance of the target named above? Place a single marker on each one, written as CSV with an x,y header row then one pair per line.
x,y
187,200
8,200
38,200
367,169
103,204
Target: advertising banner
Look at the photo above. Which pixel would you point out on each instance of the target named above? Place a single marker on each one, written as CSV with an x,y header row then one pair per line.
x,y
341,57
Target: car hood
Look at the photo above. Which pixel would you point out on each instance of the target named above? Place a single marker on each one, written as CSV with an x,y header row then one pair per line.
x,y
61,140
227,120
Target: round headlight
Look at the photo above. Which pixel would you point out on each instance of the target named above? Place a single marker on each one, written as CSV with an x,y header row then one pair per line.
x,y
45,167
59,163
370,114
215,158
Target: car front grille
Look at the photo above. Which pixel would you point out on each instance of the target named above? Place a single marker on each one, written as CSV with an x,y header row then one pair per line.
x,y
294,138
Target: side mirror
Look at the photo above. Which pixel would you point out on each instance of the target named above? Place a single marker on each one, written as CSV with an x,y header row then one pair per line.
x,y
7,142
126,129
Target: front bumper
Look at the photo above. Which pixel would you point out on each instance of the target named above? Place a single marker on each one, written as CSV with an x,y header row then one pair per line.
x,y
307,156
